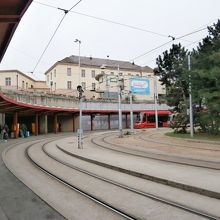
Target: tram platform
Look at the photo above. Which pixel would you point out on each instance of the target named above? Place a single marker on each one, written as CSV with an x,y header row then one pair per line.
x,y
203,181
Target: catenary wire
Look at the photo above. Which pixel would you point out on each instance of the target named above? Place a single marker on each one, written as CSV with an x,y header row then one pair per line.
x,y
194,42
109,21
173,39
129,26
65,13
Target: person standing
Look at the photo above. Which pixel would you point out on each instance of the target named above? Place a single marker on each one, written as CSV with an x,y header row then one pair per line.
x,y
23,130
5,131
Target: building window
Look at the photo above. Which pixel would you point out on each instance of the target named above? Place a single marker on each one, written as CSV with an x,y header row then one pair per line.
x,y
55,73
68,71
8,81
51,77
22,84
83,73
48,78
113,79
129,74
137,74
84,86
120,74
112,73
26,85
32,86
93,73
69,85
93,86
55,86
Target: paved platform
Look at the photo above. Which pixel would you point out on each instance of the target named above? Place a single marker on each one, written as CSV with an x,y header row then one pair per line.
x,y
196,179
18,202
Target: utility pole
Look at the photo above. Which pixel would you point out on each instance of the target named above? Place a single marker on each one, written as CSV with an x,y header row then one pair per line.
x,y
80,130
155,101
131,110
120,88
190,98
80,90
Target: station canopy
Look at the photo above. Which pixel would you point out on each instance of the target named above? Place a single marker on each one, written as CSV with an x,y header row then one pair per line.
x,y
11,12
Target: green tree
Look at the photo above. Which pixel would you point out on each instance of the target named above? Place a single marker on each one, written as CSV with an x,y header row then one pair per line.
x,y
206,80
172,70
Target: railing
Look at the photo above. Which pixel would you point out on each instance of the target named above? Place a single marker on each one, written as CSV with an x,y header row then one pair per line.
x,y
67,102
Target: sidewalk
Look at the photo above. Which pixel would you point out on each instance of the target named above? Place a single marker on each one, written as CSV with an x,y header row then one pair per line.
x,y
200,180
18,202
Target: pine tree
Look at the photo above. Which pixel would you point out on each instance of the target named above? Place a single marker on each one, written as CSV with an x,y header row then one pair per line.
x,y
206,80
172,69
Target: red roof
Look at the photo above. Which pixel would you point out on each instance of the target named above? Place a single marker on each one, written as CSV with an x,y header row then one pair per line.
x,y
11,12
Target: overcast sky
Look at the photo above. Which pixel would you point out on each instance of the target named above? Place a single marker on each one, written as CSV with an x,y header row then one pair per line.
x,y
101,38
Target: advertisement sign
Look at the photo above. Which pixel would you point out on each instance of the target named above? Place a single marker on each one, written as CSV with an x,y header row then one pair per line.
x,y
140,86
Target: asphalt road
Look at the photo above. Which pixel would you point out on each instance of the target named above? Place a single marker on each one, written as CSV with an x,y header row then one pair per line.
x,y
18,202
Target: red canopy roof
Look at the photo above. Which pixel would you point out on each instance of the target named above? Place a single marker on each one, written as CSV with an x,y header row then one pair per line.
x,y
11,12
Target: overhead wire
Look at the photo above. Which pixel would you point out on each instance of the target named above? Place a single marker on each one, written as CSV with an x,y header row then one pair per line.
x,y
173,39
65,13
126,25
109,21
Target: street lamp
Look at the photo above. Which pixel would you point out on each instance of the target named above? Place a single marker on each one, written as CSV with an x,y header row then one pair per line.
x,y
80,90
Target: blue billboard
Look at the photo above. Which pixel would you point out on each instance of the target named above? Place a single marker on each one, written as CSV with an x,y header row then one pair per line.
x,y
140,86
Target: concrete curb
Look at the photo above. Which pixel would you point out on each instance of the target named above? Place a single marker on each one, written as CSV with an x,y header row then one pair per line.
x,y
182,186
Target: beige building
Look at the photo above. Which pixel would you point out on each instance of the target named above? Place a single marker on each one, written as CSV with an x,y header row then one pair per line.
x,y
16,80
98,77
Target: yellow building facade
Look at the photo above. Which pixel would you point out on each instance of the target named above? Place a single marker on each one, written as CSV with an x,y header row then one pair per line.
x,y
16,80
98,77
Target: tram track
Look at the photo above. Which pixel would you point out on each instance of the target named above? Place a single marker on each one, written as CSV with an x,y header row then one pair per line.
x,y
98,201
151,138
129,150
87,195
148,195
118,211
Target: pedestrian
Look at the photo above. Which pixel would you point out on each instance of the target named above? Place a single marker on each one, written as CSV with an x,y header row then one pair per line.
x,y
4,132
23,130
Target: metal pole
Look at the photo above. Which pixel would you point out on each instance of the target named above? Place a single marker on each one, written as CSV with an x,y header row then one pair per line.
x,y
119,112
119,106
155,101
131,114
79,64
131,110
80,90
190,98
80,145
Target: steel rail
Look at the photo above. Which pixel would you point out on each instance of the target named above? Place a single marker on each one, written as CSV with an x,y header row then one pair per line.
x,y
154,155
176,145
206,161
148,195
98,201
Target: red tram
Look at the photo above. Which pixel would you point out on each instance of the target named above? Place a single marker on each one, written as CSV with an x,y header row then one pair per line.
x,y
147,119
